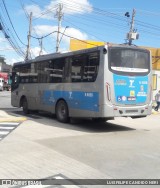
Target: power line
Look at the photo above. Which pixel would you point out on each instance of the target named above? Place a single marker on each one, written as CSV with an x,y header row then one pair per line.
x,y
102,17
38,38
72,5
11,22
64,35
5,31
27,16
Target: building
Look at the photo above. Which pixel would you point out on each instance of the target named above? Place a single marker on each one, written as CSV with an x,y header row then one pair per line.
x,y
4,67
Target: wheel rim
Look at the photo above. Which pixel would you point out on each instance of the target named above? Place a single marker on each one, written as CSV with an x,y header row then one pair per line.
x,y
25,106
62,111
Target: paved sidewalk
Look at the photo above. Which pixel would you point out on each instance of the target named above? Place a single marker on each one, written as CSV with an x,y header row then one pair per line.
x,y
155,112
23,154
29,152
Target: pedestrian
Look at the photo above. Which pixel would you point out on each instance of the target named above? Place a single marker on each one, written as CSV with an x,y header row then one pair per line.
x,y
157,99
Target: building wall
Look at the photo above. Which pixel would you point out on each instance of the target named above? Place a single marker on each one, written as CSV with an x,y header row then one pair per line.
x,y
155,57
83,44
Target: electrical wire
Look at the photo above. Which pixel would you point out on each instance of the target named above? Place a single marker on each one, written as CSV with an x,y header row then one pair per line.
x,y
11,22
14,44
73,6
64,35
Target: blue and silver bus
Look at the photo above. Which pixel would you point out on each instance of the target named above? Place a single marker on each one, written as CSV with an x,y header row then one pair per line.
x,y
99,83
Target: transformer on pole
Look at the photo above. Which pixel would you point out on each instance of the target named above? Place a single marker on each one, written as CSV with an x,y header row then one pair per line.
x,y
132,35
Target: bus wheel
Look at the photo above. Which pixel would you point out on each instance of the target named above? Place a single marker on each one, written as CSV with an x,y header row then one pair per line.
x,y
62,113
25,106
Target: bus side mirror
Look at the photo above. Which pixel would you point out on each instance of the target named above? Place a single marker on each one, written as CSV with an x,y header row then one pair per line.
x,y
104,50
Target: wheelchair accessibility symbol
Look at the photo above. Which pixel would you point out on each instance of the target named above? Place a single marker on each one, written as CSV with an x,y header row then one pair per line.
x,y
119,98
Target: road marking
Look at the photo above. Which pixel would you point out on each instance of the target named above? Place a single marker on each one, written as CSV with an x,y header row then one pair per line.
x,y
6,128
4,132
13,119
9,123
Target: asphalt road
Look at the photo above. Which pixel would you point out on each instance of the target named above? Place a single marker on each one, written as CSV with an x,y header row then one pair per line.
x,y
121,148
5,99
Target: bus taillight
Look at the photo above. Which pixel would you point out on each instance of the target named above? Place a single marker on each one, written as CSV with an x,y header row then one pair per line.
x,y
108,89
150,93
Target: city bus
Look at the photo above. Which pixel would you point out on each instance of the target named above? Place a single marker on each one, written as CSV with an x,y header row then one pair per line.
x,y
99,83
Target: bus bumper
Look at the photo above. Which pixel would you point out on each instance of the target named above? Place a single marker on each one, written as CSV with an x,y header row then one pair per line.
x,y
123,111
136,111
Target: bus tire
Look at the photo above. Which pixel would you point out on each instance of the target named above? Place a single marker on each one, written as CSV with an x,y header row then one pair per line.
x,y
62,112
25,106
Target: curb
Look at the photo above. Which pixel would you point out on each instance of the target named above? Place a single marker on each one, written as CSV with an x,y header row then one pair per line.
x,y
155,113
13,119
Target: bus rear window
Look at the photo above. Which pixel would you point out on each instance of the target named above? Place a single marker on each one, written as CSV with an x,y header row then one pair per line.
x,y
129,60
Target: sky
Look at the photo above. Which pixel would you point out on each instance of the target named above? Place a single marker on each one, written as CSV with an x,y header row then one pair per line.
x,y
95,20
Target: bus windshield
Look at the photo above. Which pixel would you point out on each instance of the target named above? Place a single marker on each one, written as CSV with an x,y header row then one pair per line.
x,y
125,60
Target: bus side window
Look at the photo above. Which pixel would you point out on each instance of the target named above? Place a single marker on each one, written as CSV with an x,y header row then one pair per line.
x,y
77,64
57,72
91,67
43,76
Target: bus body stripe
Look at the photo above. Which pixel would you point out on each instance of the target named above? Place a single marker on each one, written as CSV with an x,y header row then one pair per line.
x,y
75,99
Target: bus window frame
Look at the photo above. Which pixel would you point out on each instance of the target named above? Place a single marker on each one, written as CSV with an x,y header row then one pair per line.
x,y
128,73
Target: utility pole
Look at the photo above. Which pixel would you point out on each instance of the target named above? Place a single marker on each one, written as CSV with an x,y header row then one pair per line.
x,y
132,26
41,46
29,37
59,16
132,35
